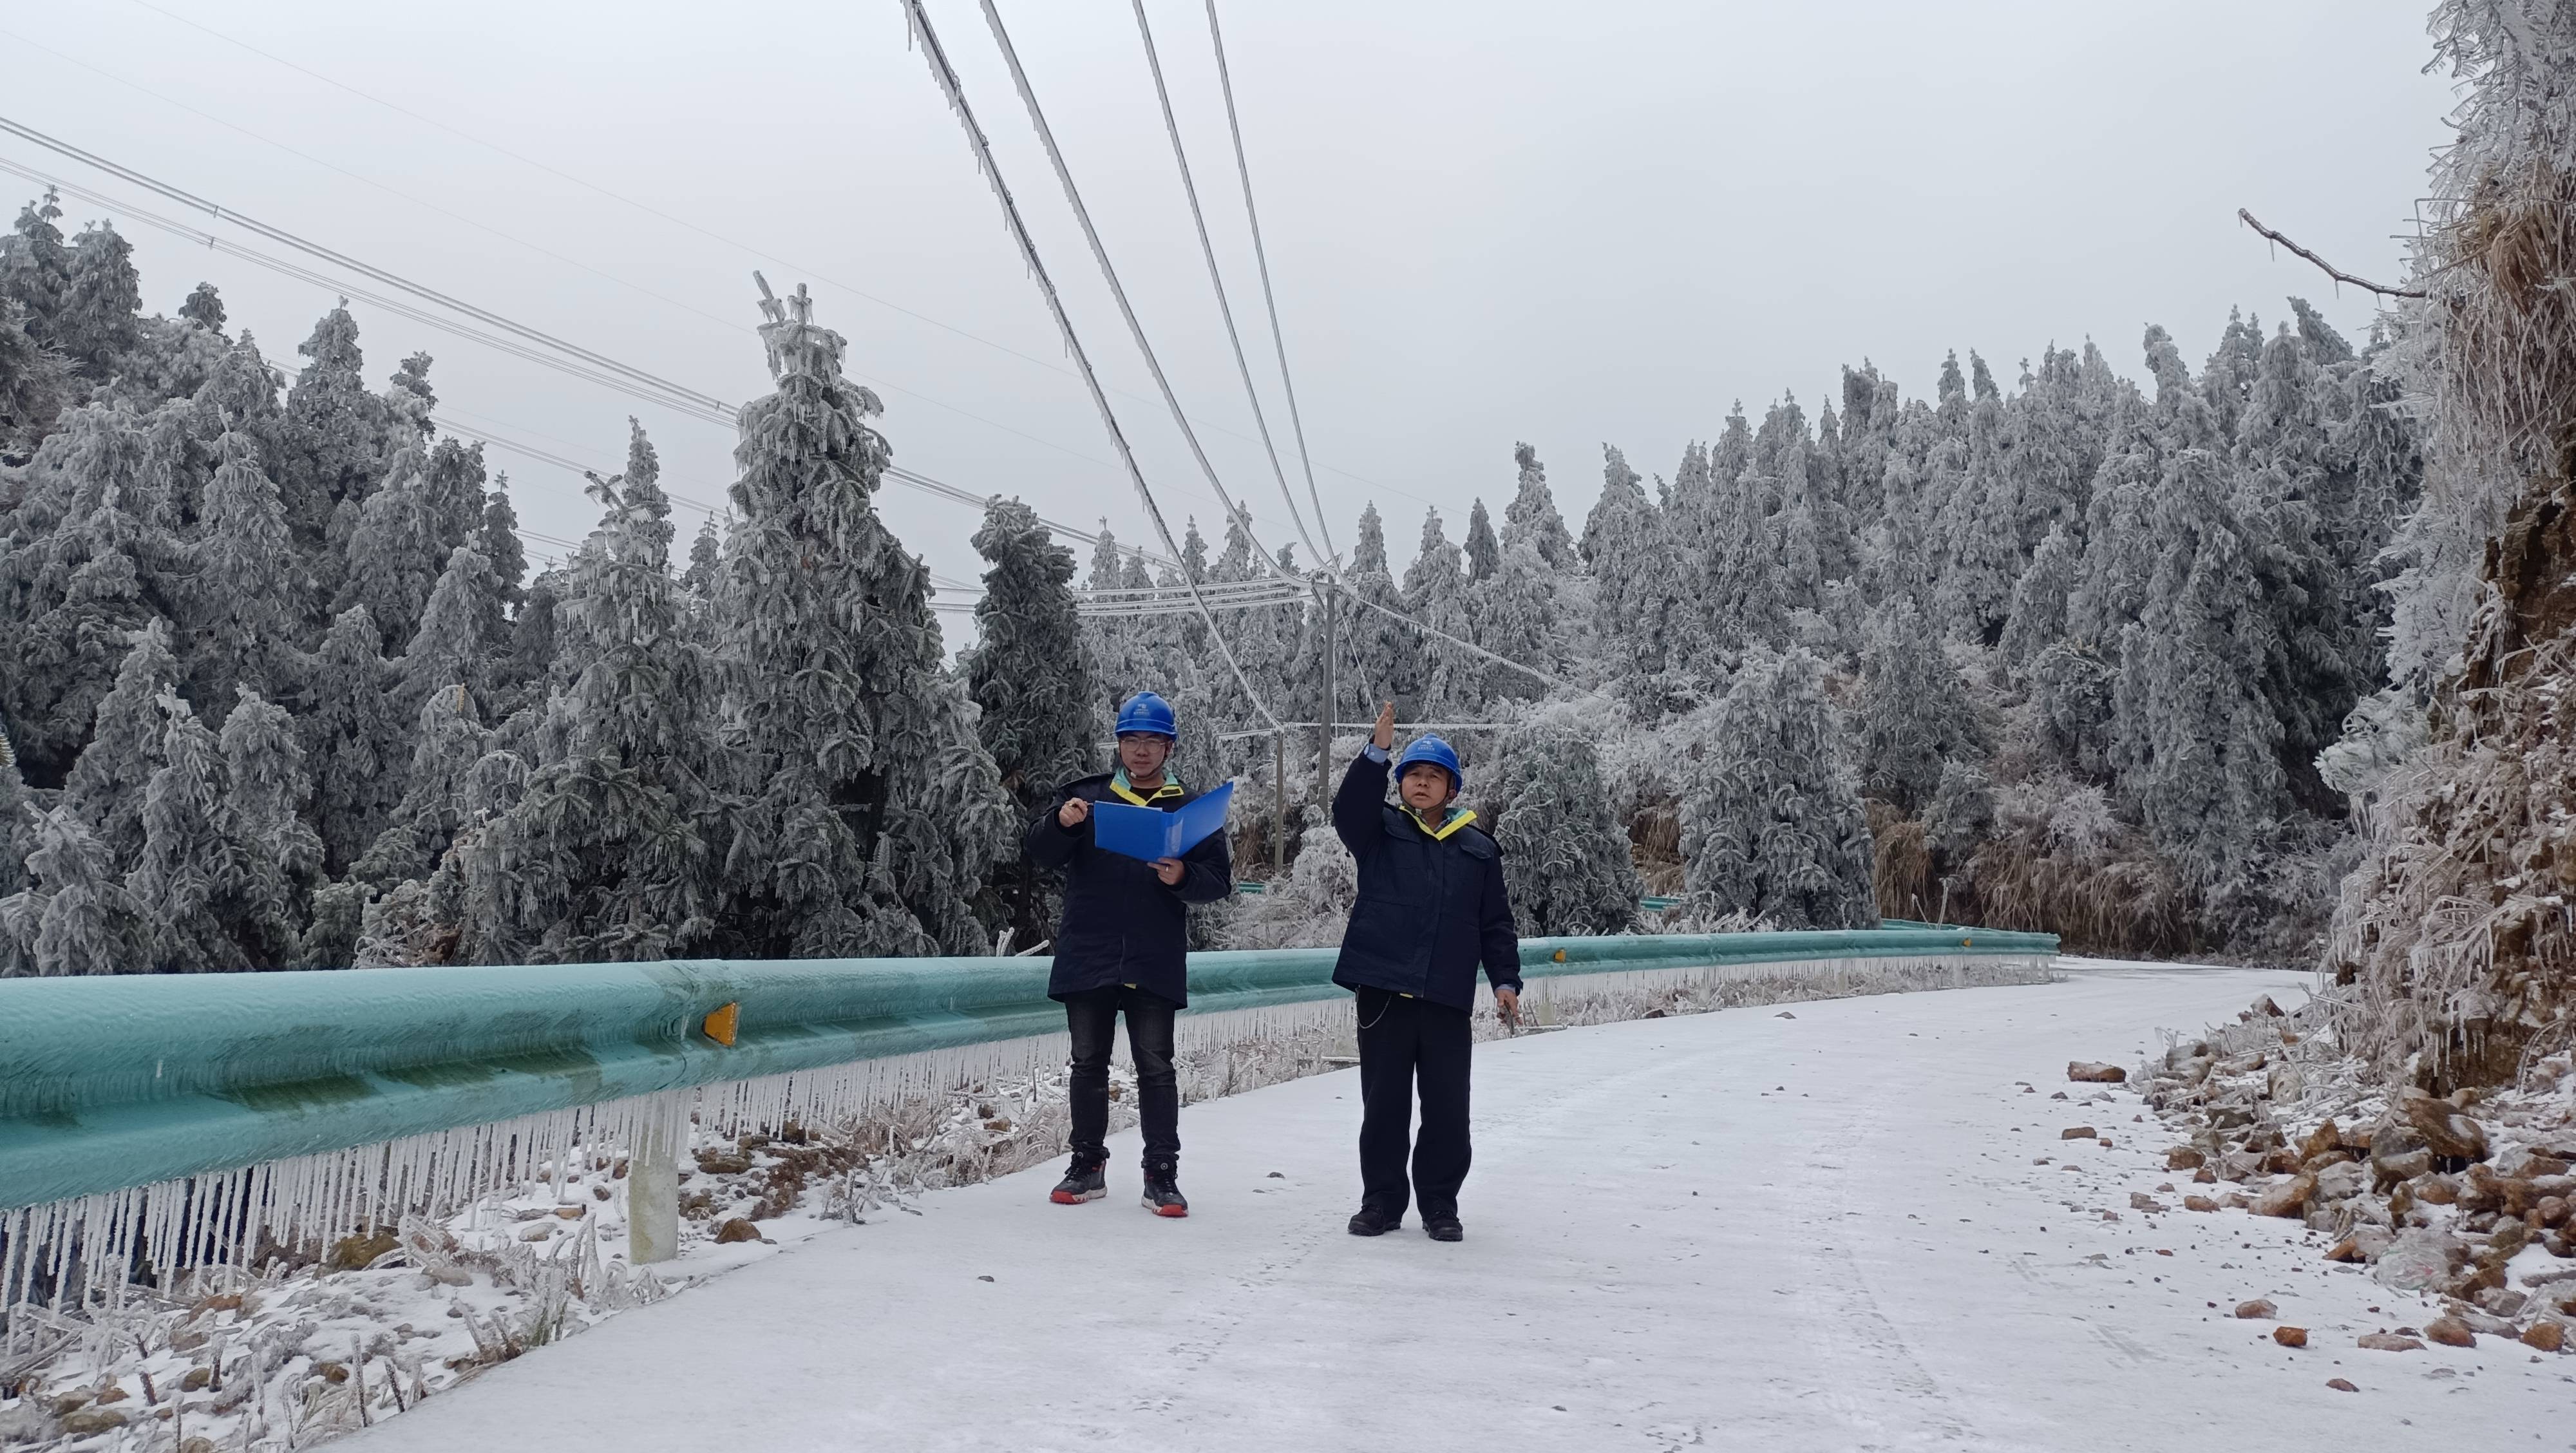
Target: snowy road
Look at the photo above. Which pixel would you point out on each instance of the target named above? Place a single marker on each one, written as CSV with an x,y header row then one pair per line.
x,y
1736,1230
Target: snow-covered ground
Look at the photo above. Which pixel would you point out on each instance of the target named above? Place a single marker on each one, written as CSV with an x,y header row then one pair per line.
x,y
1844,1225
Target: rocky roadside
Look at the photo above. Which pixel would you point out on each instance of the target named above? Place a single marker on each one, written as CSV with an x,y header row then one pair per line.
x,y
2462,1201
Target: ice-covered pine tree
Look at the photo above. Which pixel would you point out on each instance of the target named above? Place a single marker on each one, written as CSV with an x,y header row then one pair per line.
x,y
1435,587
106,786
1772,824
204,307
189,880
400,541
2196,744
1030,673
76,918
266,801
1118,646
1564,851
249,601
1028,669
1532,514
870,813
36,267
611,852
97,326
1519,617
337,435
80,571
356,738
1914,713
1484,552
2038,617
1628,545
1381,656
17,822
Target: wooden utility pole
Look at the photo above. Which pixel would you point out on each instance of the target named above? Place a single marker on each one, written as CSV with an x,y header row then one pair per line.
x,y
1324,747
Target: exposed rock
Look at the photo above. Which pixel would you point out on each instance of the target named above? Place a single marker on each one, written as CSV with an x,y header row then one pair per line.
x,y
738,1229
2501,1302
2548,1335
2450,1332
2447,1130
2181,1157
2260,1308
720,1162
2072,1132
2141,1201
2189,1203
2363,1243
2434,1190
84,1421
2339,1385
2090,1073
2339,1182
2290,1336
2285,1198
2388,1342
2418,1260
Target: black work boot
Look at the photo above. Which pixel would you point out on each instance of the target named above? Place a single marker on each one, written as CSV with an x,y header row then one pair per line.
x,y
1370,1221
1163,1190
1084,1180
1444,1228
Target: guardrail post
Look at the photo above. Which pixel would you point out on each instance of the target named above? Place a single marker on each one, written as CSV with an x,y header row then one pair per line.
x,y
653,1183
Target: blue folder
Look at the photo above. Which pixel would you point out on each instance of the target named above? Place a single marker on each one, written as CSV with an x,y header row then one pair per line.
x,y
1150,832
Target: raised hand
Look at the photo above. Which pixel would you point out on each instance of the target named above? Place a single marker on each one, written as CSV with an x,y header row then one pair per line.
x,y
1384,735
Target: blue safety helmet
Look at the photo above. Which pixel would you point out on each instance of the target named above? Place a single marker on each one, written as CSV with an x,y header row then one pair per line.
x,y
1146,712
1427,748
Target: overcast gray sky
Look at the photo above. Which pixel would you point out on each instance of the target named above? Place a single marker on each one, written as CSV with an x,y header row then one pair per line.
x,y
1487,222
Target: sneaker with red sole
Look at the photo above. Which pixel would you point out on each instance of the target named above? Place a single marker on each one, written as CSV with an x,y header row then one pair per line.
x,y
1163,1191
1082,1182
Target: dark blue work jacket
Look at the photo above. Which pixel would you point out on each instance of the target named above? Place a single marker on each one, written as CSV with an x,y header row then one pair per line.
x,y
1430,908
1121,924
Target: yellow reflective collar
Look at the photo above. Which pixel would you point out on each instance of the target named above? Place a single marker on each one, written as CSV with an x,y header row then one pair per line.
x,y
1118,784
1458,818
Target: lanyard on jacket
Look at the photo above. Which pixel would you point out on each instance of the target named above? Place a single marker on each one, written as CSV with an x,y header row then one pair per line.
x,y
1118,784
1458,818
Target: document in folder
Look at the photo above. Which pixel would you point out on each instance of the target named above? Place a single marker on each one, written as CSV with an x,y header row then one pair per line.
x,y
1150,833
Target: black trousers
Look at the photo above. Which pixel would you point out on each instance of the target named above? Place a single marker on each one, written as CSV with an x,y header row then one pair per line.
x,y
1091,1017
1405,1042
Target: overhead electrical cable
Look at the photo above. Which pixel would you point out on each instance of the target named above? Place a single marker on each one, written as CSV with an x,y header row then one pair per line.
x,y
634,383
1261,256
1216,281
379,275
682,222
1109,274
946,76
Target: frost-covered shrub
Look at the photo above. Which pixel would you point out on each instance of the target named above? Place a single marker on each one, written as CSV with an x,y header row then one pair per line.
x,y
1772,823
1565,855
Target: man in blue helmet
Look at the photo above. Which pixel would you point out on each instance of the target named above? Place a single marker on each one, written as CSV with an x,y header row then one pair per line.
x,y
1123,948
1431,907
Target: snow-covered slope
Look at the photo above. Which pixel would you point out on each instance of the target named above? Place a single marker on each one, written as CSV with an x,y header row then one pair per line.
x,y
1843,1225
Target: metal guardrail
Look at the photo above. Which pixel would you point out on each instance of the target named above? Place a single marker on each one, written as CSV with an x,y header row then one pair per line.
x,y
117,1082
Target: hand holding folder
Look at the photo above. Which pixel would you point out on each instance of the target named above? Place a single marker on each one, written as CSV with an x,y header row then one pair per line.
x,y
1149,833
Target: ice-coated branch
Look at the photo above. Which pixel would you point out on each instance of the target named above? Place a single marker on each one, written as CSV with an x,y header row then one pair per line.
x,y
2328,268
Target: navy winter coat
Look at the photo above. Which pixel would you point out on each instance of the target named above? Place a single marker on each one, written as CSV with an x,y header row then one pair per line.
x,y
1429,908
1121,924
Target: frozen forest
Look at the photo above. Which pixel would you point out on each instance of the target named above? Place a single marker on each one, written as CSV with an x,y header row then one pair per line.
x,y
2157,655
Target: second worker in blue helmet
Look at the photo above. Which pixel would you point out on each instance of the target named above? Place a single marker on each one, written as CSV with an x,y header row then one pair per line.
x,y
1432,907
1123,948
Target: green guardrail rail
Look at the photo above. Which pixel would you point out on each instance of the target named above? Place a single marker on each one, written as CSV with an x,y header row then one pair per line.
x,y
116,1082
